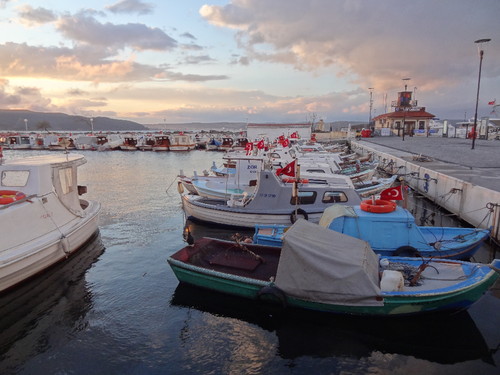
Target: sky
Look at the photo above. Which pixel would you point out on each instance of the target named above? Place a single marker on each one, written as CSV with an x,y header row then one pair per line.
x,y
258,61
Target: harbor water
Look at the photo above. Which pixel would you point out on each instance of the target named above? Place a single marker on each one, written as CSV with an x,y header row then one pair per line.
x,y
117,308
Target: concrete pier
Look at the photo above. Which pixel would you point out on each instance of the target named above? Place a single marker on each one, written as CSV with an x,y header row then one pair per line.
x,y
447,171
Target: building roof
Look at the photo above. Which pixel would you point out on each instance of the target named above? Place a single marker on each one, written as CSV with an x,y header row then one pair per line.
x,y
421,113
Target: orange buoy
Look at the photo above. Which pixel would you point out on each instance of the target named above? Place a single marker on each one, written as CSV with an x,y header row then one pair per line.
x,y
290,180
9,196
377,206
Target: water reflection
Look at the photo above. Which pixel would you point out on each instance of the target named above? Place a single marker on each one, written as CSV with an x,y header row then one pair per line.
x,y
31,312
440,339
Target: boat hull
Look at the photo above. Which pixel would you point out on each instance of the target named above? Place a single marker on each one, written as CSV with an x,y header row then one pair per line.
x,y
393,304
36,255
232,217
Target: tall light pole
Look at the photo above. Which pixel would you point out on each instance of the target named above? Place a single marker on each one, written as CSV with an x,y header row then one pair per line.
x,y
479,43
26,124
405,80
371,106
91,126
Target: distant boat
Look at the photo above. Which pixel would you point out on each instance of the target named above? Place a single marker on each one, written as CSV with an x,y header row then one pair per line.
x,y
323,270
43,220
181,142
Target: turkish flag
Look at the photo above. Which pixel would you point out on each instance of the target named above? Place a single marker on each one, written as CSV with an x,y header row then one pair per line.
x,y
249,148
289,170
394,193
285,143
492,102
294,135
260,144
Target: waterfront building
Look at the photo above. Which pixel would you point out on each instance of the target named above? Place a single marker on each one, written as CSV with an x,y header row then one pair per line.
x,y
406,119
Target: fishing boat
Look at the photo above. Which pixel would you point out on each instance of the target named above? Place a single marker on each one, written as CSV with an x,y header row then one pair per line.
x,y
19,142
145,142
274,201
375,186
390,232
129,142
323,270
181,142
42,217
87,142
162,143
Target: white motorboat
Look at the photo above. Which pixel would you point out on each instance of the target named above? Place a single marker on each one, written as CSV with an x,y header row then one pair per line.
x,y
42,217
274,201
181,142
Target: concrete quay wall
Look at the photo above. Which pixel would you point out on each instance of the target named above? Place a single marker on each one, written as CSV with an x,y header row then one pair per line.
x,y
438,181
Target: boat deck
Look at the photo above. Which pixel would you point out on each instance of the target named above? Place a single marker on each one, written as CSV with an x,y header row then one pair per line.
x,y
246,260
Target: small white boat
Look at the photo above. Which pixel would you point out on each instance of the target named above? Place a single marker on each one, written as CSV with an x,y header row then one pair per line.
x,y
43,220
274,201
19,142
181,142
87,142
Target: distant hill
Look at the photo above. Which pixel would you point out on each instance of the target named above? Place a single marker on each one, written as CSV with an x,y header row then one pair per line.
x,y
14,120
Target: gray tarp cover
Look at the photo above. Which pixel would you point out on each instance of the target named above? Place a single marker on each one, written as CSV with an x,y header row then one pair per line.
x,y
321,265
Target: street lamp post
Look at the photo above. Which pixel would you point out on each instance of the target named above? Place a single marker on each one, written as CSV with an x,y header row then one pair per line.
x,y
481,53
26,124
403,107
371,106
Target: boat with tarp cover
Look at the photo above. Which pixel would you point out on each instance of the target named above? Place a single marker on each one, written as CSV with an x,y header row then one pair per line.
x,y
314,271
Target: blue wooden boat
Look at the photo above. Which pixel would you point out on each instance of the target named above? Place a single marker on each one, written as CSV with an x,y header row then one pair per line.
x,y
314,271
390,233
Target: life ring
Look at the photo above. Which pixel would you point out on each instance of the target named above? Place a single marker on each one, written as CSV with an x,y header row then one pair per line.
x,y
380,206
295,213
10,196
290,180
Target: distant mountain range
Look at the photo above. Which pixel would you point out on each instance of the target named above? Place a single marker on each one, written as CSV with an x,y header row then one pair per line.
x,y
46,121
40,121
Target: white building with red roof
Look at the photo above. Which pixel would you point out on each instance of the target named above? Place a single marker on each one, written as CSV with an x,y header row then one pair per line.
x,y
407,117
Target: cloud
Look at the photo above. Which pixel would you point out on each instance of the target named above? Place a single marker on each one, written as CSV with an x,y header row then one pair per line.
x,y
197,59
35,16
83,28
188,35
79,64
175,76
131,6
16,97
377,43
76,92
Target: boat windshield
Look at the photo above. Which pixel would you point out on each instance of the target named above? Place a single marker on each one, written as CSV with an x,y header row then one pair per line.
x,y
15,178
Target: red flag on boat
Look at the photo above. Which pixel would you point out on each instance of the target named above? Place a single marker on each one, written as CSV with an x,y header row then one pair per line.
x,y
249,148
294,135
492,102
260,144
289,170
285,143
394,193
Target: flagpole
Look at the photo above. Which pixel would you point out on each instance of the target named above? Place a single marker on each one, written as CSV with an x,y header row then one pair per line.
x,y
403,190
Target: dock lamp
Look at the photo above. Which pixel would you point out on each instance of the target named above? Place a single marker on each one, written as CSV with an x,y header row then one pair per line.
x,y
479,43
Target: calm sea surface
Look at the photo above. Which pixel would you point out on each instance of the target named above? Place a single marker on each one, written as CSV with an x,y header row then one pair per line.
x,y
117,308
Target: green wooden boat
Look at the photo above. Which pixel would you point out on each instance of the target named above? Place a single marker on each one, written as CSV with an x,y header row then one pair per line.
x,y
314,271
